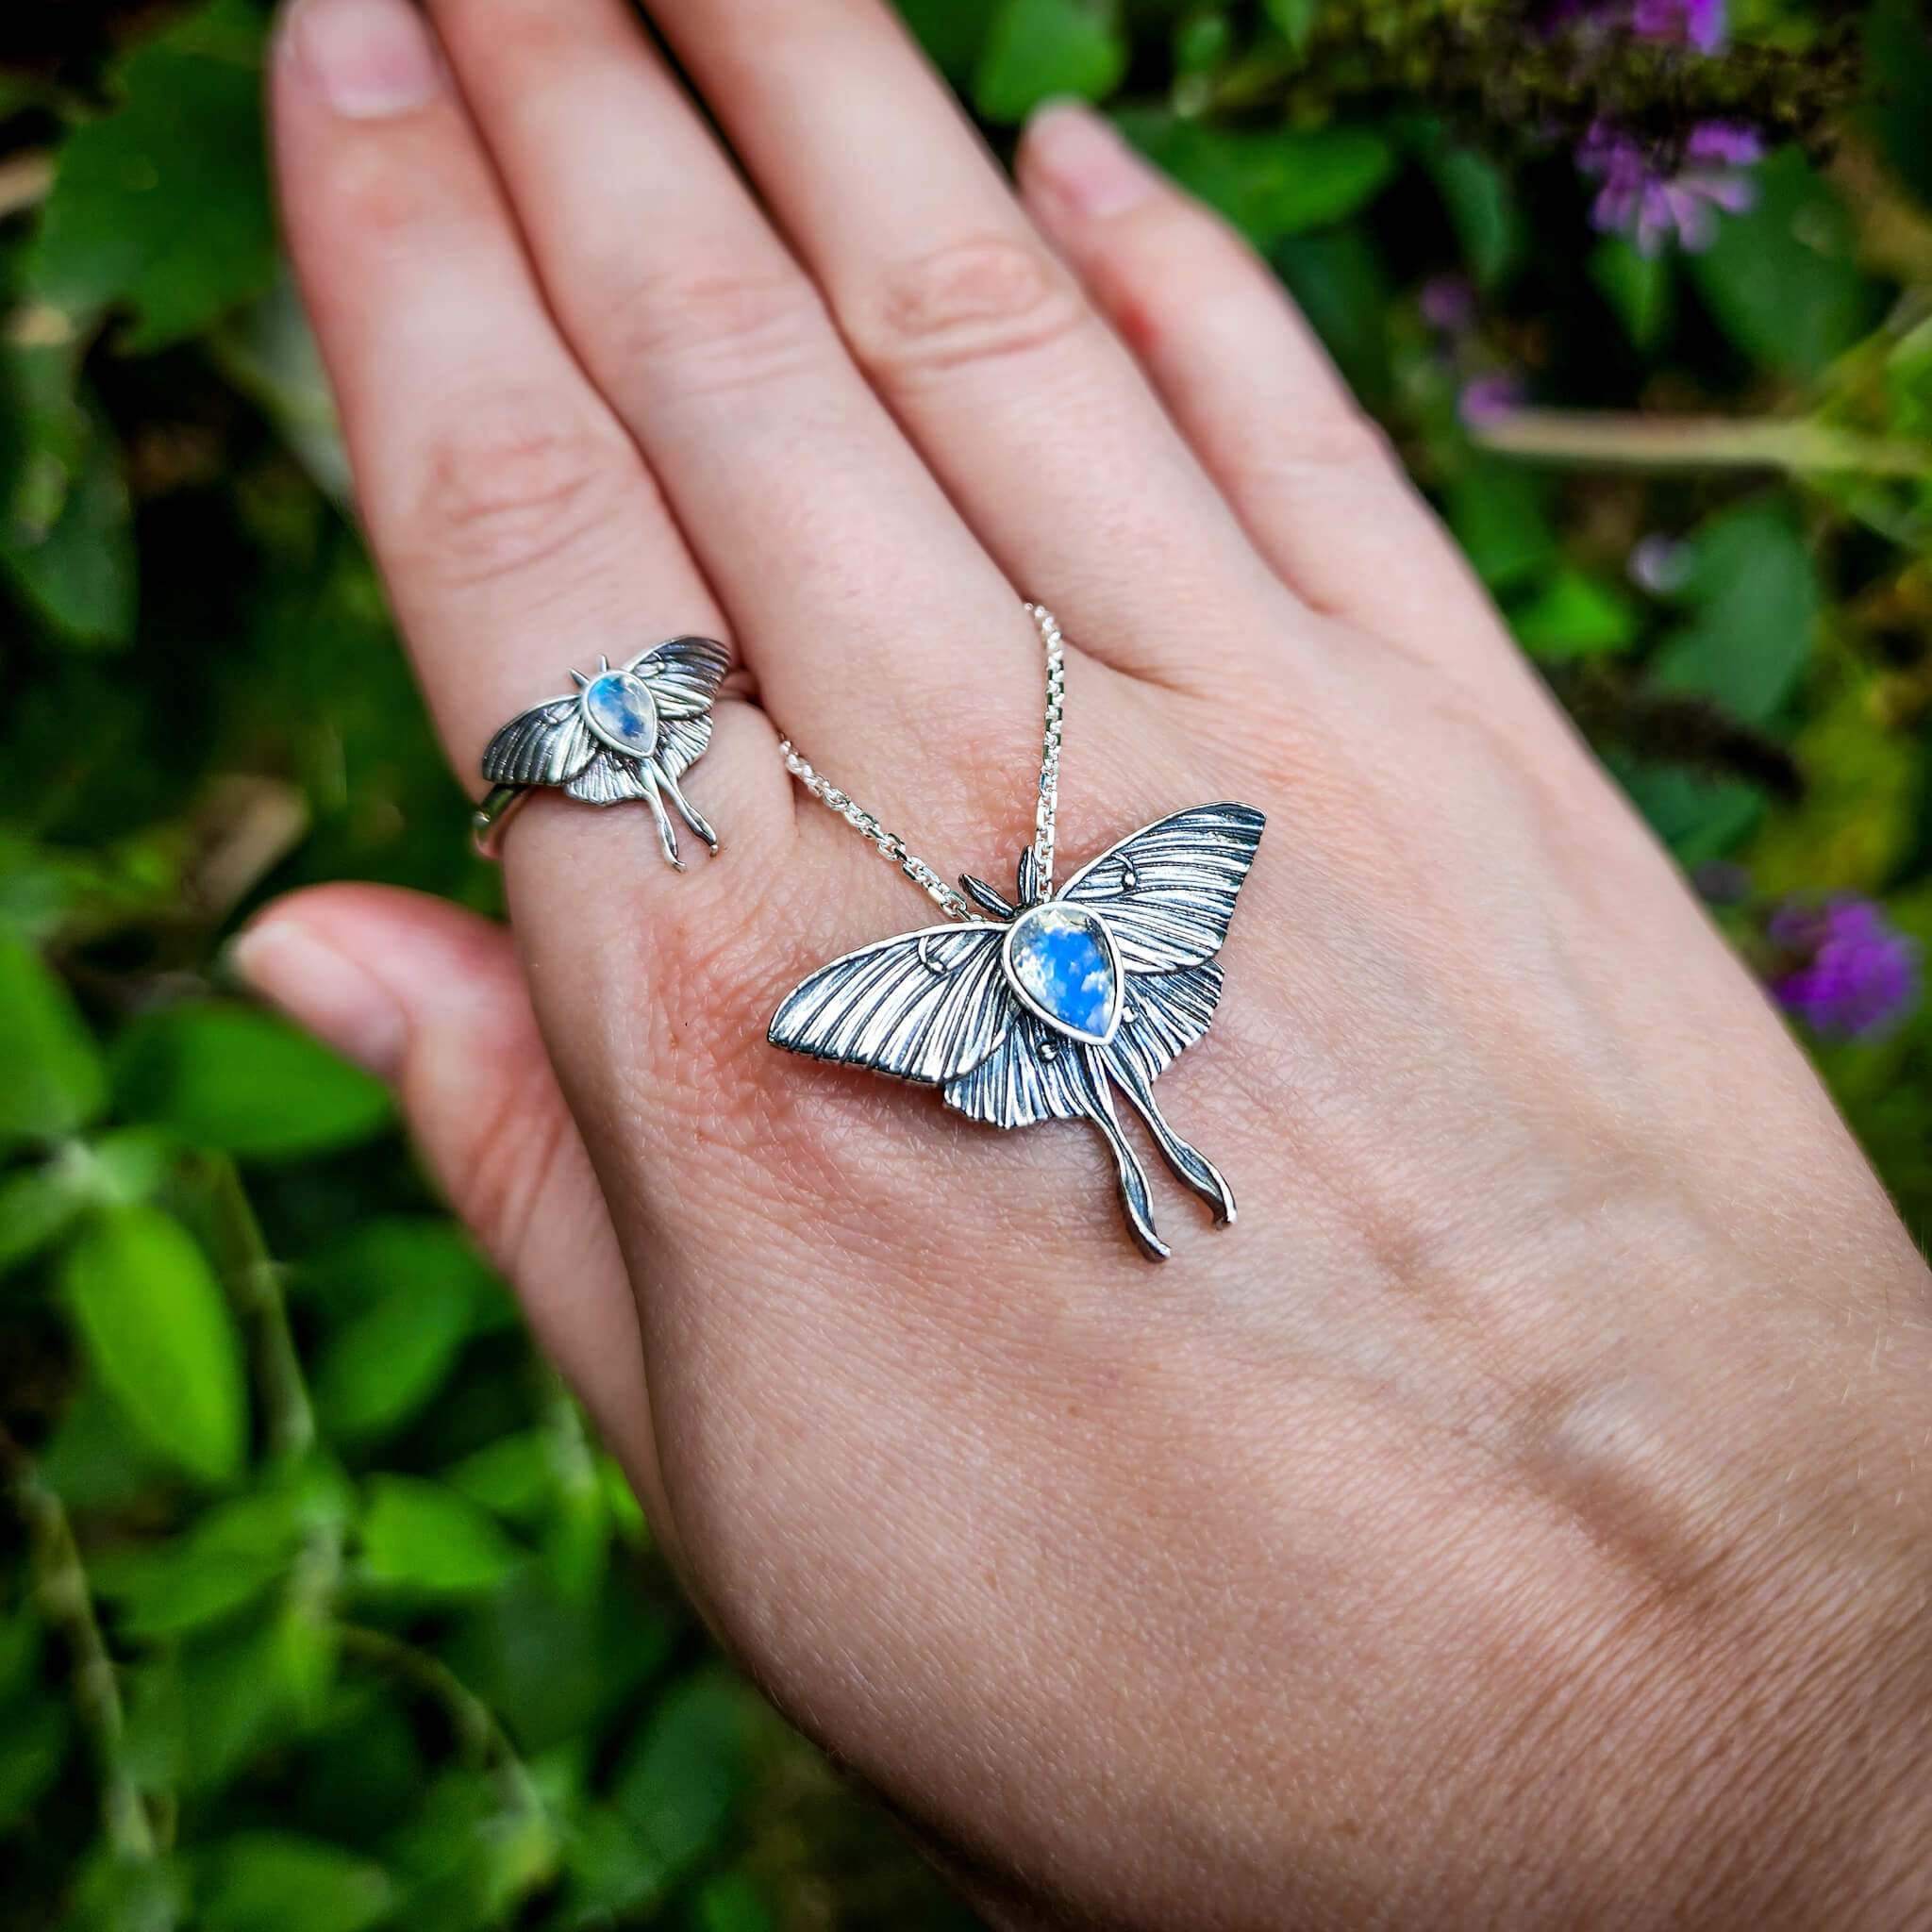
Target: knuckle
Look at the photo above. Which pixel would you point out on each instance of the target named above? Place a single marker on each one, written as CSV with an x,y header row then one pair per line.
x,y
716,328
986,299
514,482
1339,439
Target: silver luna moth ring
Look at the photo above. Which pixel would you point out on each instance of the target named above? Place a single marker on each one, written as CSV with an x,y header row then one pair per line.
x,y
628,732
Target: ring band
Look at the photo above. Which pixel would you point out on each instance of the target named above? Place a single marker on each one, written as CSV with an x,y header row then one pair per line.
x,y
488,821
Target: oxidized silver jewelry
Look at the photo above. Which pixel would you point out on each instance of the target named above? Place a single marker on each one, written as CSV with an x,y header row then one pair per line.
x,y
631,732
1037,1009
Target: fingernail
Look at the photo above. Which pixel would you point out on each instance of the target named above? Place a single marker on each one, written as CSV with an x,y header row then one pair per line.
x,y
1077,157
335,996
368,59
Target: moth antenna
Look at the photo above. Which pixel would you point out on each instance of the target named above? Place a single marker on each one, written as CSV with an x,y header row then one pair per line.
x,y
602,663
583,683
986,898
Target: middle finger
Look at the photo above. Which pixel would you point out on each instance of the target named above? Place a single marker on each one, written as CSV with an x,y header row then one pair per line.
x,y
857,596
1027,405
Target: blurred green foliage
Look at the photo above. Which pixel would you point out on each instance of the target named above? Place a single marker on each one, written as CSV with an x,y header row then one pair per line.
x,y
319,1607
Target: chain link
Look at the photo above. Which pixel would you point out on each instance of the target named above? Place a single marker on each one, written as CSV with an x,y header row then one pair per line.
x,y
890,846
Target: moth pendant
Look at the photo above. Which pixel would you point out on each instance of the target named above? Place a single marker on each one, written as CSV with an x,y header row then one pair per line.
x,y
631,732
1046,1010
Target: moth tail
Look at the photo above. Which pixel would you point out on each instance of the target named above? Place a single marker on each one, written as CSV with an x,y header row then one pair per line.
x,y
1190,1164
686,809
1135,1202
667,832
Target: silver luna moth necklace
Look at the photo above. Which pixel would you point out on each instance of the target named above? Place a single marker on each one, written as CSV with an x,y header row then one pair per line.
x,y
1039,1009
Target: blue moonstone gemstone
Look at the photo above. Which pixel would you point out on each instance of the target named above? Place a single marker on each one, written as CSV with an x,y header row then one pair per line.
x,y
622,713
1059,959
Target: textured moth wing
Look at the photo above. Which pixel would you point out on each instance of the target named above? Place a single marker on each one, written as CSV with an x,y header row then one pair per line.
x,y
549,745
1168,893
928,1006
608,780
684,676
1032,1075
681,742
1164,1014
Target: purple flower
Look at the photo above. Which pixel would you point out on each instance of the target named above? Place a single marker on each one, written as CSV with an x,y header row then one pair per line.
x,y
1488,399
1448,302
1699,24
1857,976
1661,564
1652,190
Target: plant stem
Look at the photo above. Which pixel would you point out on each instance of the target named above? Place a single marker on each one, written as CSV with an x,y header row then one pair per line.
x,y
1802,445
480,1737
255,1284
24,179
67,1602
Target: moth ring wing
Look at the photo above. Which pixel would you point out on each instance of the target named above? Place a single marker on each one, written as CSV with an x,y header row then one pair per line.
x,y
549,745
683,674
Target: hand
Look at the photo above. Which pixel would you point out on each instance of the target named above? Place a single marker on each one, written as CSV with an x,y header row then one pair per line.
x,y
1518,1517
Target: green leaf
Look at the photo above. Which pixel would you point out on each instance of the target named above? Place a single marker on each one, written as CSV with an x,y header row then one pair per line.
x,y
1339,279
1482,209
1269,183
1576,615
1293,20
429,1254
118,1894
511,1478
51,1078
1495,511
421,1535
276,1882
679,1781
1640,290
68,539
612,1871
1755,592
232,1554
197,1713
160,1338
34,1737
1698,817
383,1366
234,1077
951,31
1898,64
162,206
23,1638
731,1903
37,1207
1036,49
1781,280
99,1457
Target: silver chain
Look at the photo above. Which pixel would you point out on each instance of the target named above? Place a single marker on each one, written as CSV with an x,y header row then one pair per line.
x,y
890,846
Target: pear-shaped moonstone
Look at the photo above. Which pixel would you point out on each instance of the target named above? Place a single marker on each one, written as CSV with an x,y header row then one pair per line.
x,y
622,713
1059,959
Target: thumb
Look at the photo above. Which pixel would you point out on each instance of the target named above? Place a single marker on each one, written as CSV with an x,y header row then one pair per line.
x,y
432,998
